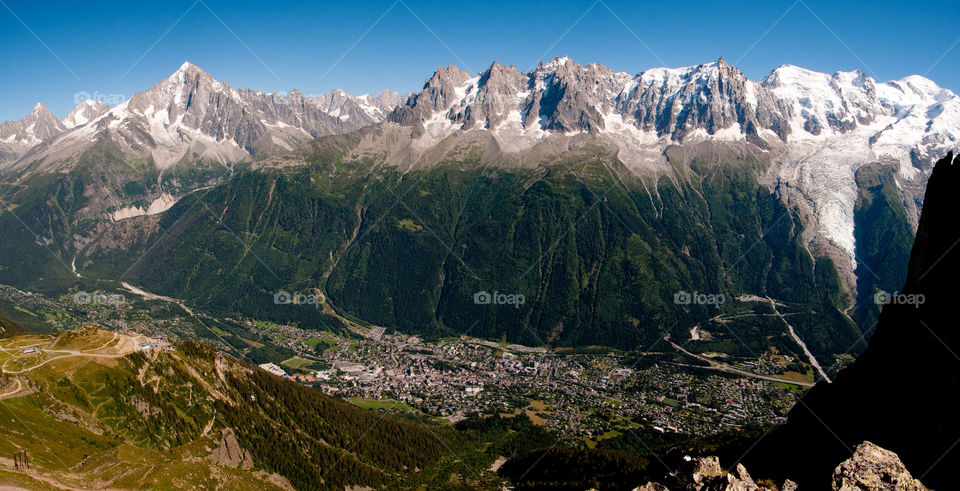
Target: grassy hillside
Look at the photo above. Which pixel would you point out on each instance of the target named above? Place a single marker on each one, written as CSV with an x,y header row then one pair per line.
x,y
92,411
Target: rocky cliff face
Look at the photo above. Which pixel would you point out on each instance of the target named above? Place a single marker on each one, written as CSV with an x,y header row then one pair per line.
x,y
16,137
901,392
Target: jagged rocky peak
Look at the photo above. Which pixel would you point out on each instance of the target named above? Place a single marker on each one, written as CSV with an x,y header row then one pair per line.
x,y
43,124
496,94
363,109
37,126
18,137
83,113
570,97
439,93
714,99
563,96
186,93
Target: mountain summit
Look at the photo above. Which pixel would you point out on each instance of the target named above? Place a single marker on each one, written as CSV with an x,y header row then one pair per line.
x,y
562,95
190,115
19,136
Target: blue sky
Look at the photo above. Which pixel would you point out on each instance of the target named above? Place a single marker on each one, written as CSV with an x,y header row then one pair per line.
x,y
51,50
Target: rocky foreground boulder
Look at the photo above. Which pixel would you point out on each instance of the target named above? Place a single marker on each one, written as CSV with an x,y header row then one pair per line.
x,y
870,468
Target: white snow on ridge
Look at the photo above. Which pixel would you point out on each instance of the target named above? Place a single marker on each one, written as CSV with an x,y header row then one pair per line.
x,y
844,120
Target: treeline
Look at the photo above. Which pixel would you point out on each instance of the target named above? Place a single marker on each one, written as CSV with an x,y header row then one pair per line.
x,y
317,441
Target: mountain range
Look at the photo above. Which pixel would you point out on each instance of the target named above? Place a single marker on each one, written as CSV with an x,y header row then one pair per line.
x,y
603,199
818,128
699,161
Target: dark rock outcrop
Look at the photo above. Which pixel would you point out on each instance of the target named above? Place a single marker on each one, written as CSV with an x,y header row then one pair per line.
x,y
902,392
870,468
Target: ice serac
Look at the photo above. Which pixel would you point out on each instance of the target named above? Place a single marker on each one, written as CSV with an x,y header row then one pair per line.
x,y
900,393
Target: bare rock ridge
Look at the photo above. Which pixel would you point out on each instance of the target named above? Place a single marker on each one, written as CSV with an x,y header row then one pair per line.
x,y
229,452
901,393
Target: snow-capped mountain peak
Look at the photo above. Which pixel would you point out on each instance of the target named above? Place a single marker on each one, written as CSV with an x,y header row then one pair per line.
x,y
817,129
17,137
84,112
713,100
191,113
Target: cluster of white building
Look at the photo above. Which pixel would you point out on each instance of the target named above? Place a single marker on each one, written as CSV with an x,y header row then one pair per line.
x,y
274,369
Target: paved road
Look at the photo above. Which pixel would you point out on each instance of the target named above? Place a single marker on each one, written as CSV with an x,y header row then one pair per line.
x,y
124,351
793,334
14,391
727,368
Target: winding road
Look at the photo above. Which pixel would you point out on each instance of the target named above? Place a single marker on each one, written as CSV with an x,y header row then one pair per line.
x,y
803,346
727,368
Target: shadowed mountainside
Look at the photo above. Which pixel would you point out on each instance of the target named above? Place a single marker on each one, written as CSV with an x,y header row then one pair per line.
x,y
901,392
